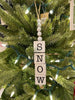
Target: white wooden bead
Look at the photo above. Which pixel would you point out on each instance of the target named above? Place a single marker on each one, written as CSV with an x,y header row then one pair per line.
x,y
38,21
39,38
39,29
39,24
39,34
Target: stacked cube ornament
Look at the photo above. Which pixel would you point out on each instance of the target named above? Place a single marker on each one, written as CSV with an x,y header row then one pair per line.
x,y
39,58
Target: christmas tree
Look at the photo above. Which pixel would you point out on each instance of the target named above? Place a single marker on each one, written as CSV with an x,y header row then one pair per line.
x,y
17,71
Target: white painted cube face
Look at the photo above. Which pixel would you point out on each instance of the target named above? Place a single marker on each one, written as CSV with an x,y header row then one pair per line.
x,y
40,69
39,46
39,58
40,80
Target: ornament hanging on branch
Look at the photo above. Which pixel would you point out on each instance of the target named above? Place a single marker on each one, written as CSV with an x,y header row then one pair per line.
x,y
39,54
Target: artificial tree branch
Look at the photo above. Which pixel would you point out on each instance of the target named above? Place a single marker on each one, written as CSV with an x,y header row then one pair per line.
x,y
39,9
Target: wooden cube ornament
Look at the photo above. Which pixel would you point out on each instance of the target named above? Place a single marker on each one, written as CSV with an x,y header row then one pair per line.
x,y
40,80
40,69
39,46
39,58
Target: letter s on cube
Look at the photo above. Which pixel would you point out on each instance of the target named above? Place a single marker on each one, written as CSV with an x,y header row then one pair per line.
x,y
39,46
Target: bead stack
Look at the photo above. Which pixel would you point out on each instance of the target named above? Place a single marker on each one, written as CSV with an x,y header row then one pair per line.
x,y
39,30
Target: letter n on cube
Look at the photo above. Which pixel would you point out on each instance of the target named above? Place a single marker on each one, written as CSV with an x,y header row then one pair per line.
x,y
39,58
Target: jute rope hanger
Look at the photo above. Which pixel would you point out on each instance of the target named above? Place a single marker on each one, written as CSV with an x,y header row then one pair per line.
x,y
37,10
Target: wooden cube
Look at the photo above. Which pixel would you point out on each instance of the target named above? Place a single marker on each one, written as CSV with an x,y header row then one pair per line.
x,y
39,58
39,46
40,80
40,69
